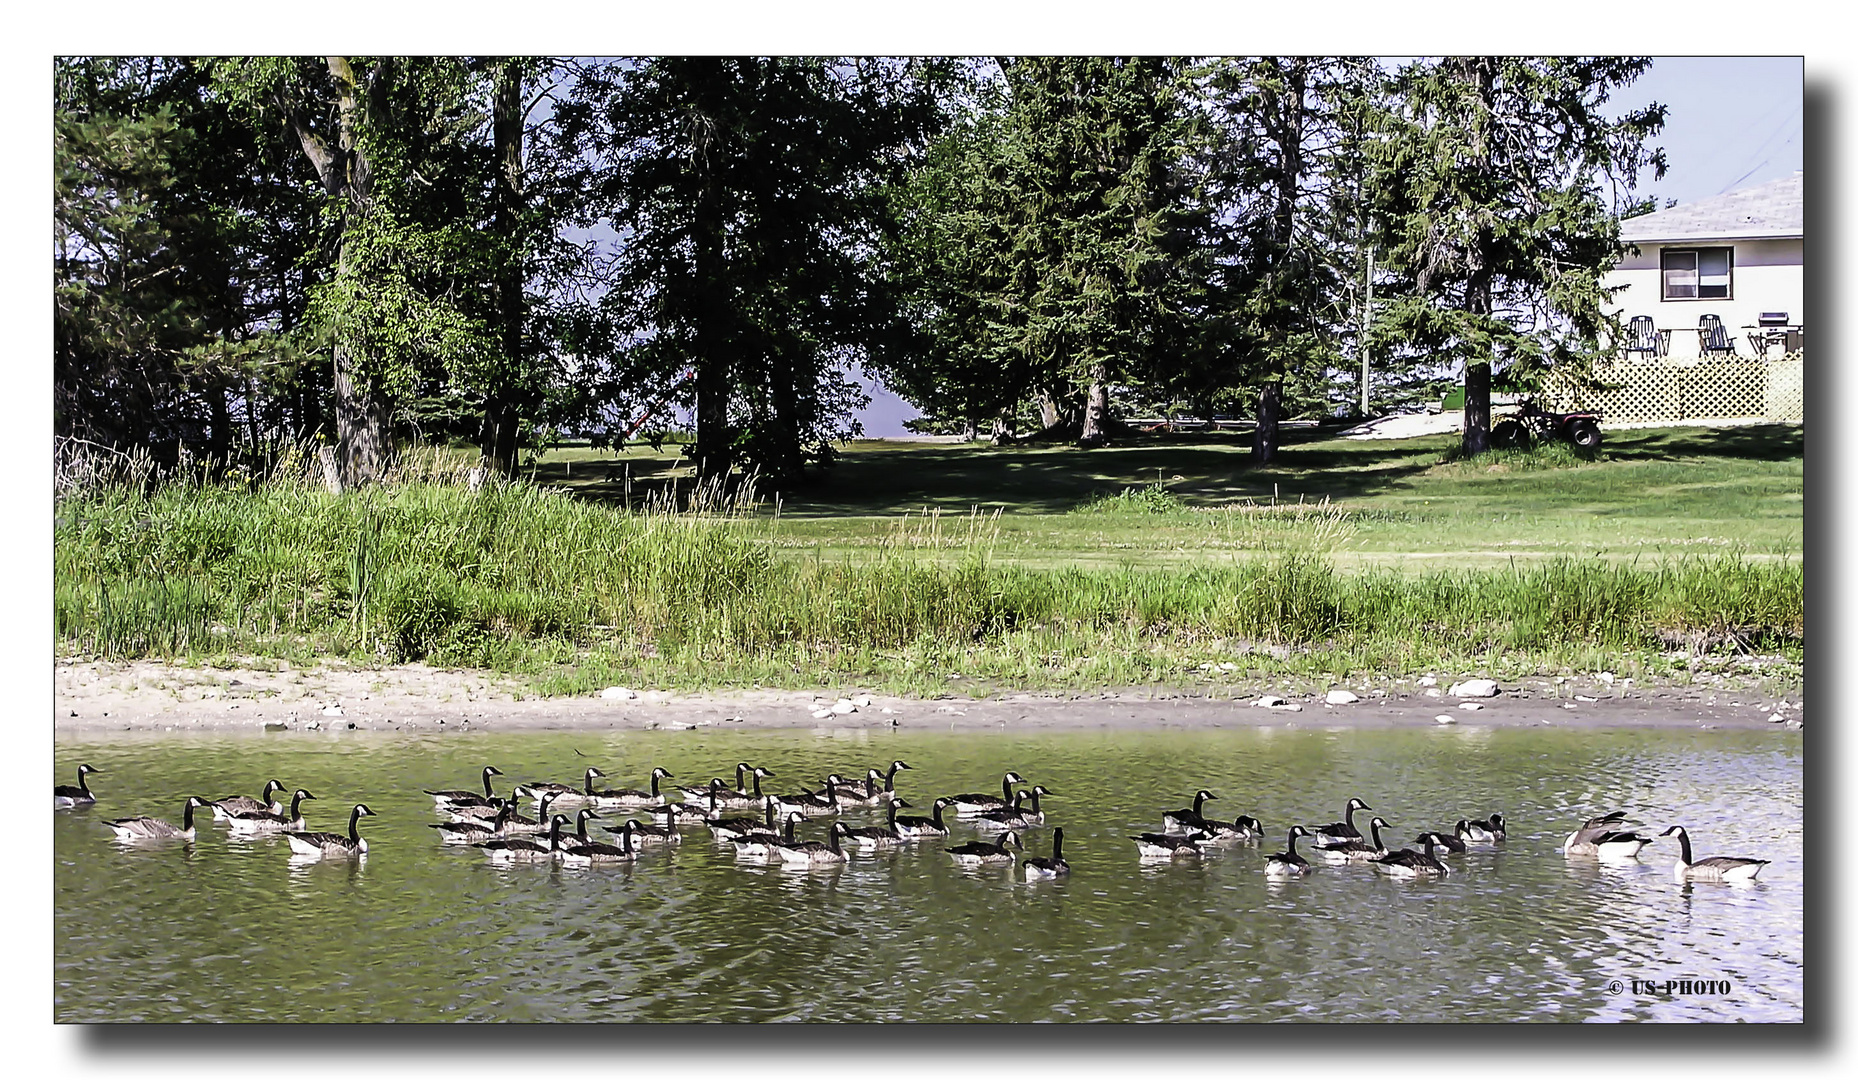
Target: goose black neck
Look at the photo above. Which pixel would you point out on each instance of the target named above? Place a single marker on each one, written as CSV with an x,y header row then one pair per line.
x,y
1292,841
787,833
580,826
655,784
1006,788
487,783
1199,803
296,807
1374,827
757,779
832,839
187,822
83,787
741,777
890,778
1683,845
354,825
554,834
1349,816
589,788
1035,800
1057,845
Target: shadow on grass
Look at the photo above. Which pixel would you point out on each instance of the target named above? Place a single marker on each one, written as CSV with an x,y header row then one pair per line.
x,y
1202,469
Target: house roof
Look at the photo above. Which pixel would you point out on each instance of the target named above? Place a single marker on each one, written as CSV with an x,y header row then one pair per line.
x,y
1773,209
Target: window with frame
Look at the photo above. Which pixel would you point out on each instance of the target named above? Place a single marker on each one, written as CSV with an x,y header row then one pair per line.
x,y
1698,273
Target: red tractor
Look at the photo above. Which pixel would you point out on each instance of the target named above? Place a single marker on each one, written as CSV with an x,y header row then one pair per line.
x,y
1529,424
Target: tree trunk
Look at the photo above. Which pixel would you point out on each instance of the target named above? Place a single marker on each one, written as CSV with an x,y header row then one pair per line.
x,y
709,353
1002,428
497,440
1097,407
1270,408
970,430
1480,71
1476,407
1049,416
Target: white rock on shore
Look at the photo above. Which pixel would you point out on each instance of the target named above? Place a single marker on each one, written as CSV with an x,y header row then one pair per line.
x,y
1475,688
1340,697
618,693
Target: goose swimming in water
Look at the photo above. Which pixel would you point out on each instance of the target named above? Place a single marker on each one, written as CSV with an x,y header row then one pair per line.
x,y
526,848
1343,831
1162,846
1581,840
266,821
814,853
581,849
1288,863
872,837
1357,850
866,792
538,788
466,798
1488,831
729,828
1407,863
474,831
245,804
1055,866
738,798
517,825
759,845
812,805
1176,822
630,798
655,834
65,796
323,843
1242,829
1018,816
1714,868
890,779
982,853
1447,845
922,828
975,803
149,828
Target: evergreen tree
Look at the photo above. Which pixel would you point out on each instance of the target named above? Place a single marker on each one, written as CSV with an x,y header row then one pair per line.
x,y
1488,182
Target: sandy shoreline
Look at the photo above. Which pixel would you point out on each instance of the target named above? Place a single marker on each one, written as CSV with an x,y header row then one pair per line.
x,y
93,698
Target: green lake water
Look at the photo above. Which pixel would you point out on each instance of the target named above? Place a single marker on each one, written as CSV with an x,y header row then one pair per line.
x,y
223,929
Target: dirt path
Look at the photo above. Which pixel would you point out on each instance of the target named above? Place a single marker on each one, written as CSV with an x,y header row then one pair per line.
x,y
93,698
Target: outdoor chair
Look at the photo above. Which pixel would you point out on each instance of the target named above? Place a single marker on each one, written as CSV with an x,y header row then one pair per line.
x,y
1713,339
1644,339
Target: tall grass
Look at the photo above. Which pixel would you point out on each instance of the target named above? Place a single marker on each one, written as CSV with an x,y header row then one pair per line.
x,y
516,577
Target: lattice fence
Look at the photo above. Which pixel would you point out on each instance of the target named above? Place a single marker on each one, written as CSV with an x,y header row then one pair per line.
x,y
1735,388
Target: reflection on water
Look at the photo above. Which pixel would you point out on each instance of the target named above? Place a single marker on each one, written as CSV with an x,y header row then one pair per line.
x,y
225,928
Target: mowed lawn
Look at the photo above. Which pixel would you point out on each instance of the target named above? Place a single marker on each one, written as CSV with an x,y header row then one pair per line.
x,y
1653,494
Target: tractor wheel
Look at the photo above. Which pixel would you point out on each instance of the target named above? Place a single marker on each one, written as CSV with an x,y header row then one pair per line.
x,y
1585,435
1509,435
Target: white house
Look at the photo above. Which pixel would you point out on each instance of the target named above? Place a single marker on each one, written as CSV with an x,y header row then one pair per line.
x,y
1739,256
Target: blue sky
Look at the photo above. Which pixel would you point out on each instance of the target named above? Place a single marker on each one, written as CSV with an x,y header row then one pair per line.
x,y
1732,122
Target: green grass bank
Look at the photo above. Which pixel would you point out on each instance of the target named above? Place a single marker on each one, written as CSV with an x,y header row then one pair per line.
x,y
577,593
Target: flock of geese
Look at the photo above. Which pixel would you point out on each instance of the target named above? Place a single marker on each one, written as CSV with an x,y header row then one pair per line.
x,y
763,825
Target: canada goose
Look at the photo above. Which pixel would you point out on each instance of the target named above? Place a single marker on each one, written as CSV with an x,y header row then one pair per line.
x,y
480,811
655,834
1055,866
1488,831
730,828
1288,863
739,797
890,779
581,849
762,845
1581,840
875,837
1447,845
324,843
717,786
64,796
821,805
1186,821
245,804
982,853
535,789
919,828
1357,850
460,832
1343,831
148,828
517,825
1163,846
1019,815
1407,863
526,848
466,798
266,821
630,798
1714,868
1241,829
866,792
975,803
814,853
